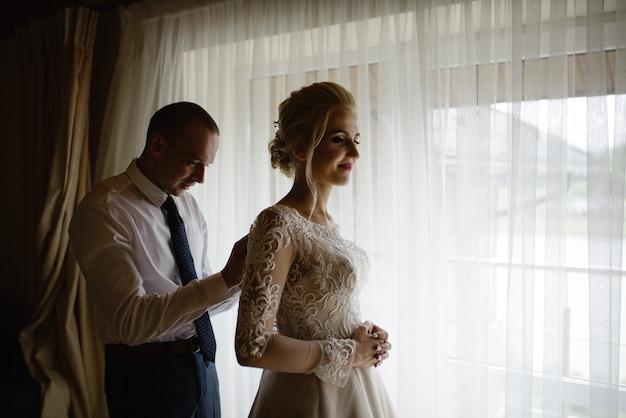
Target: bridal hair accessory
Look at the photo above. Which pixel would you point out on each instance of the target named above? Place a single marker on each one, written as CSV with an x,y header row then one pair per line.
x,y
275,152
277,137
277,140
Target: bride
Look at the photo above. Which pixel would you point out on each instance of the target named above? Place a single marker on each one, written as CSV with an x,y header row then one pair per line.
x,y
299,315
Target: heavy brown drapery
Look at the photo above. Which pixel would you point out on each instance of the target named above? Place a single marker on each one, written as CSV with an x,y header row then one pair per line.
x,y
60,343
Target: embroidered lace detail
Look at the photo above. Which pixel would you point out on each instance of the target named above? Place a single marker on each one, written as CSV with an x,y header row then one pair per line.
x,y
319,300
337,362
259,299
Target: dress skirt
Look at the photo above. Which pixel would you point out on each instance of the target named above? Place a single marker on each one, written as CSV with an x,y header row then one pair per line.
x,y
292,395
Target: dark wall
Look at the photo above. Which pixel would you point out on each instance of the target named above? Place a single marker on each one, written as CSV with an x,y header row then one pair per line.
x,y
12,283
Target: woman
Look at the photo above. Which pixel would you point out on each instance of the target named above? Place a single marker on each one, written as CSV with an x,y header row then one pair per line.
x,y
299,315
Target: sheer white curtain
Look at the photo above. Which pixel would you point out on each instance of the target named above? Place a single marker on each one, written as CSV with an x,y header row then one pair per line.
x,y
489,193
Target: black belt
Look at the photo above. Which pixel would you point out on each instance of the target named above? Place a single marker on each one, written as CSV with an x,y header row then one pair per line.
x,y
160,349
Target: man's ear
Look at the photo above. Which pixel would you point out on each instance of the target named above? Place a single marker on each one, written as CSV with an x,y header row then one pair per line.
x,y
156,144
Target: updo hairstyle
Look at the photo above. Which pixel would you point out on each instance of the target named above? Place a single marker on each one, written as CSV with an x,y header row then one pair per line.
x,y
304,115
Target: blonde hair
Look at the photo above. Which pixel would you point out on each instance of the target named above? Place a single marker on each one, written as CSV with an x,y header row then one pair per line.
x,y
303,117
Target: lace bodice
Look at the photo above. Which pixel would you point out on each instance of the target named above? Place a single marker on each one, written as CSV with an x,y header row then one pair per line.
x,y
301,280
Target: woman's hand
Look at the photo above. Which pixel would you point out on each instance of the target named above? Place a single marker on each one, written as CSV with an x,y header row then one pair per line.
x,y
372,345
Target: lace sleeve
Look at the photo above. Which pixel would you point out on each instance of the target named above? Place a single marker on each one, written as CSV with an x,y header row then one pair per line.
x,y
261,287
337,361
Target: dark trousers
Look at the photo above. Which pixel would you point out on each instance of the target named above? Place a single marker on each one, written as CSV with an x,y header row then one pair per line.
x,y
176,386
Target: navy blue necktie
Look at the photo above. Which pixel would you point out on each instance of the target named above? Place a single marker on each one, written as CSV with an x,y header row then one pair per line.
x,y
184,261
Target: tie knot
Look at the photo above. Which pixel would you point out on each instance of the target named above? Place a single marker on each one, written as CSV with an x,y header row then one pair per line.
x,y
169,204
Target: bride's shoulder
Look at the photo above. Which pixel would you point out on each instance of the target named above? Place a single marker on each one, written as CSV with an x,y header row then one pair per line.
x,y
277,214
281,210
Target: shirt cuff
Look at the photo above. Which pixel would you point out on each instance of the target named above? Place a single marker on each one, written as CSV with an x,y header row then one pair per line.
x,y
221,297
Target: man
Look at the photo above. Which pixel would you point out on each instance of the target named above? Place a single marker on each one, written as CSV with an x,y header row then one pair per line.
x,y
156,364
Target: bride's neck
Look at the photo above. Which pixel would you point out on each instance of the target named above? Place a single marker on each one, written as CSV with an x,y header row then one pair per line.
x,y
301,199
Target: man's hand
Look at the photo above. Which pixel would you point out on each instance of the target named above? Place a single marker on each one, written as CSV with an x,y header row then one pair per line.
x,y
233,270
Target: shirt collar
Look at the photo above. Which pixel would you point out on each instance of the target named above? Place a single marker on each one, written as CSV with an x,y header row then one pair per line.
x,y
145,186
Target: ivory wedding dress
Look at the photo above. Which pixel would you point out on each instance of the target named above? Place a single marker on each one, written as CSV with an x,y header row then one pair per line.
x,y
318,301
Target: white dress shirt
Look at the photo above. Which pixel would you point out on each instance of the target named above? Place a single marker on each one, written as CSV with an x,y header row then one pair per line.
x,y
121,240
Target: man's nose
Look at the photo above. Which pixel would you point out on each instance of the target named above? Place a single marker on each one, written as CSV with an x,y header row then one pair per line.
x,y
198,174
